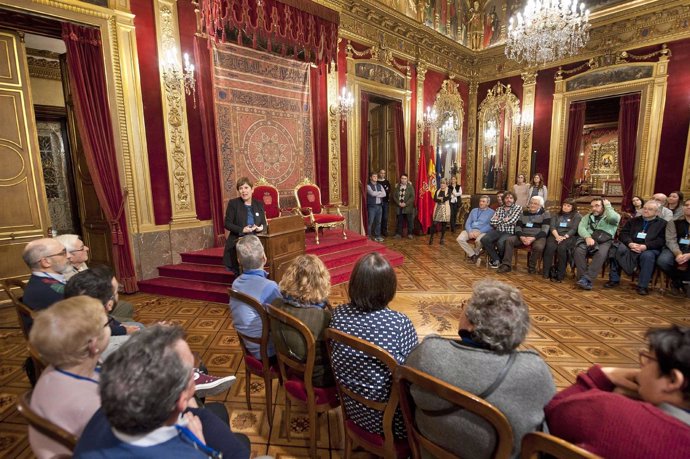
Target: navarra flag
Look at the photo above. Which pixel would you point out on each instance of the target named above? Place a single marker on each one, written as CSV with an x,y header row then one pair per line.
x,y
431,173
425,201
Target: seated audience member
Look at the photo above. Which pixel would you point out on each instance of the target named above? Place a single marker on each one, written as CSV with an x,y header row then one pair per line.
x,y
503,222
305,287
675,257
48,260
255,283
635,209
70,337
664,213
403,203
675,204
476,226
123,310
494,323
100,283
640,243
596,232
561,240
499,200
623,413
531,230
147,408
367,316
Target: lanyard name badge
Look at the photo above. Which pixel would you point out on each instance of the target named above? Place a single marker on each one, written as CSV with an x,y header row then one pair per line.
x,y
563,223
643,234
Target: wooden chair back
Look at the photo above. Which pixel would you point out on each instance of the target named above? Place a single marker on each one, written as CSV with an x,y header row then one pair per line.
x,y
406,376
258,308
39,363
44,426
287,358
535,443
25,315
338,338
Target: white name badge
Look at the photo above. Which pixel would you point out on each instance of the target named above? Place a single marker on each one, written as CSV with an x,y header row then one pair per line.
x,y
641,235
684,241
257,214
563,224
529,224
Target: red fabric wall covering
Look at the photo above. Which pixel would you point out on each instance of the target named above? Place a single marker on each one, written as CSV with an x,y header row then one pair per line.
x,y
187,25
319,102
432,84
674,133
541,126
342,82
153,109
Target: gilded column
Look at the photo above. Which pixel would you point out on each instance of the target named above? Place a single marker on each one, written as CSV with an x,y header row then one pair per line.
x,y
529,85
472,136
334,126
421,76
174,114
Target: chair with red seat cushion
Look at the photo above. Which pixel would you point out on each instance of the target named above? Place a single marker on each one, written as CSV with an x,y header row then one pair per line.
x,y
317,215
540,444
298,373
252,365
268,195
385,445
405,376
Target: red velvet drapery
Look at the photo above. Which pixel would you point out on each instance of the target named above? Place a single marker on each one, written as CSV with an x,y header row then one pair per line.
x,y
399,129
300,26
576,123
627,143
319,115
87,81
364,156
204,60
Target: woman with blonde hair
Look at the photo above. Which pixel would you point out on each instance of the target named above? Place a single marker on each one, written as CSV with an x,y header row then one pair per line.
x,y
305,287
69,336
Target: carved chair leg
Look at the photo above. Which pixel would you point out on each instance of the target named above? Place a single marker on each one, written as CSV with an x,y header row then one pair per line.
x,y
247,385
268,388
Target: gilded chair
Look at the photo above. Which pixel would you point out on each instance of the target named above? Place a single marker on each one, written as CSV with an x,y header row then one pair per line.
x,y
535,443
386,445
297,376
405,376
25,315
317,215
268,195
44,426
252,365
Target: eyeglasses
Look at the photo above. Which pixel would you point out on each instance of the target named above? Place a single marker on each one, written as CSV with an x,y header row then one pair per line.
x,y
62,253
83,247
646,357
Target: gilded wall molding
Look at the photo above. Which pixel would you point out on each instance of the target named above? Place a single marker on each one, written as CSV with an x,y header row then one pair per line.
x,y
334,130
653,98
471,136
175,116
529,88
47,69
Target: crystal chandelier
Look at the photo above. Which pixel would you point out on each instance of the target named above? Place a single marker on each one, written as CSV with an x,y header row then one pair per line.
x,y
177,78
344,106
547,31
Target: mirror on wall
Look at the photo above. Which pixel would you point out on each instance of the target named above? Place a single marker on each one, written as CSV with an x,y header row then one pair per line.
x,y
450,114
498,131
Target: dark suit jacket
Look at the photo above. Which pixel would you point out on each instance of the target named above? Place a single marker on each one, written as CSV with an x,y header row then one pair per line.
x,y
236,220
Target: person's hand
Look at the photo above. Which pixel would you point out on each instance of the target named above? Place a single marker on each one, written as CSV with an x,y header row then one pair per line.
x,y
589,241
248,229
165,323
194,424
625,379
402,204
474,234
526,240
683,258
606,202
131,329
259,228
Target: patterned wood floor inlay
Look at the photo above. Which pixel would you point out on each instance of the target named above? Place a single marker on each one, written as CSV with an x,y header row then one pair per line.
x,y
571,329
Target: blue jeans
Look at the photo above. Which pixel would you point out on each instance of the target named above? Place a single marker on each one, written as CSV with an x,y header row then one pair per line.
x,y
494,242
374,214
646,262
667,263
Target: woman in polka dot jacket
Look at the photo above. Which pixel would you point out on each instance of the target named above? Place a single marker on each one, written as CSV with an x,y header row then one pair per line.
x,y
372,287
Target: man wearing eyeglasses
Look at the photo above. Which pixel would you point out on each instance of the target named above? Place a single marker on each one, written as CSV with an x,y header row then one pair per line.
x,y
48,260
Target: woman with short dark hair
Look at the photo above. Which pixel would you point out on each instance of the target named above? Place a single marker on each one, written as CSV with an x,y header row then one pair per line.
x,y
244,215
367,316
561,240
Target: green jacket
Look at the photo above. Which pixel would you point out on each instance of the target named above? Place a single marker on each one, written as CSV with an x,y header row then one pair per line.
x,y
408,200
609,223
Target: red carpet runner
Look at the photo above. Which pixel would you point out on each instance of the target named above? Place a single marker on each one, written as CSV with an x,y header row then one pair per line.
x,y
202,276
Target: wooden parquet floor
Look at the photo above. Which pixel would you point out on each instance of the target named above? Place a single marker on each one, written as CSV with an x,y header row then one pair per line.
x,y
571,329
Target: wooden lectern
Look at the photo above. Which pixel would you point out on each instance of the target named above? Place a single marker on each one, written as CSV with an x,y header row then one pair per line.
x,y
283,241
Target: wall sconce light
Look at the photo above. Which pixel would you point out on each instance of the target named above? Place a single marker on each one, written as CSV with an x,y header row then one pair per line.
x,y
343,108
176,78
429,119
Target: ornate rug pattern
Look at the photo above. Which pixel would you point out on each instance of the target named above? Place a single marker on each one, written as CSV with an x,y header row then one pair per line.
x,y
263,119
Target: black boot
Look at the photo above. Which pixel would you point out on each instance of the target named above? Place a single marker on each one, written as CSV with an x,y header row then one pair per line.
x,y
431,239
441,241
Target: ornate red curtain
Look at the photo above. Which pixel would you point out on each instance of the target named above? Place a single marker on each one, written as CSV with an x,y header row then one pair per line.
x,y
204,59
319,115
87,81
576,123
627,143
299,26
364,156
399,129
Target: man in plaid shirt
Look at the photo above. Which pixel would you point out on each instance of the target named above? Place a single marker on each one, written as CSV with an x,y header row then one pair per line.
x,y
503,221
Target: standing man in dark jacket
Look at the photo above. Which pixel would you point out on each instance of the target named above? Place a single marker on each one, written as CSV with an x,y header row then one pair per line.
x,y
403,199
640,243
383,181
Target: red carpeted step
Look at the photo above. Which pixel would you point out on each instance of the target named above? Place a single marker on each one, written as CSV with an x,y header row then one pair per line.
x,y
342,273
205,291
200,272
212,256
350,255
332,241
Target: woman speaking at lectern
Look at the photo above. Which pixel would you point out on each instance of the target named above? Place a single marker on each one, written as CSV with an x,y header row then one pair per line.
x,y
244,215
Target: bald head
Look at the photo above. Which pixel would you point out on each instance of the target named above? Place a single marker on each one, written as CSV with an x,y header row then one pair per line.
x,y
47,255
660,198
